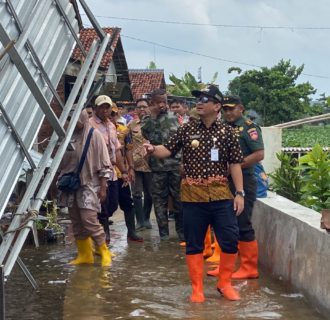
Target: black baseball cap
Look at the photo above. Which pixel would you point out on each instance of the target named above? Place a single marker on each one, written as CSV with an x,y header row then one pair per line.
x,y
211,91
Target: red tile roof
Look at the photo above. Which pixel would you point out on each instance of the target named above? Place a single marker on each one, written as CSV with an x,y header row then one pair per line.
x,y
145,81
87,35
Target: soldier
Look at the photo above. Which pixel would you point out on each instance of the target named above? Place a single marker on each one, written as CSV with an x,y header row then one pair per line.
x,y
209,148
158,128
252,146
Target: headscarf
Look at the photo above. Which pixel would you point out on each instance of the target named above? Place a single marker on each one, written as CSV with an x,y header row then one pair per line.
x,y
97,157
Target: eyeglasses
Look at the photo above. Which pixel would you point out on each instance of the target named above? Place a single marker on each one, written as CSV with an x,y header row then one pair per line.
x,y
141,107
205,99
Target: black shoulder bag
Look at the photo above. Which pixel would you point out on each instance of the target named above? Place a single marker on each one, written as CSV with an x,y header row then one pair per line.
x,y
70,182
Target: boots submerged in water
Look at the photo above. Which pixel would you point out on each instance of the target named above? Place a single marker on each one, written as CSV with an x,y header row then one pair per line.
x,y
85,252
195,263
248,269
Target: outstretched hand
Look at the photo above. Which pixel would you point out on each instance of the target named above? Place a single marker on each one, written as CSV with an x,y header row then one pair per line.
x,y
149,147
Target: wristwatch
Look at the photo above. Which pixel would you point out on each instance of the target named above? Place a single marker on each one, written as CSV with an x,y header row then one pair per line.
x,y
240,193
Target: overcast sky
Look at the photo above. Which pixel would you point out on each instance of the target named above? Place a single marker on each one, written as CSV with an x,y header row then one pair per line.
x,y
253,46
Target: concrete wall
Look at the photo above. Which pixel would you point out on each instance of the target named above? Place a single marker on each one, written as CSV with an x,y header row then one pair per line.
x,y
293,246
273,143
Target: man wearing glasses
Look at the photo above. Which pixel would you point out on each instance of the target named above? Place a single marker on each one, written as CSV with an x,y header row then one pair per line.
x,y
143,176
209,148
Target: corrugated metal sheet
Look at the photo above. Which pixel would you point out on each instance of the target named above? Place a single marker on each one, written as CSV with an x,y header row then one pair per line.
x,y
44,33
50,37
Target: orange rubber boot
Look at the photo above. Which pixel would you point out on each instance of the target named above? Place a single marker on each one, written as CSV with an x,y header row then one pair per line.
x,y
216,254
214,272
195,264
249,261
227,265
208,244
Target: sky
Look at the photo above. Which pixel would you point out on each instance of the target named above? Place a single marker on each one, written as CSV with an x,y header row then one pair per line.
x,y
301,34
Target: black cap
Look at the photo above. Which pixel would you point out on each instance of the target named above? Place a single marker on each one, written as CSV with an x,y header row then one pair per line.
x,y
211,91
231,101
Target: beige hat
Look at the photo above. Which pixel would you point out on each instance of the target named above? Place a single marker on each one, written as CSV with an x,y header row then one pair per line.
x,y
103,99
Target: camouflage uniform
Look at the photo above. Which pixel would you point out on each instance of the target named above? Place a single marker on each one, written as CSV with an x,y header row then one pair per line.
x,y
166,172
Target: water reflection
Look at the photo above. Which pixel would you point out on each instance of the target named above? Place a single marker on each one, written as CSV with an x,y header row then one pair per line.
x,y
146,281
85,294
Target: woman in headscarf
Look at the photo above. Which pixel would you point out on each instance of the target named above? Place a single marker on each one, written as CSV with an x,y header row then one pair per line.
x,y
86,201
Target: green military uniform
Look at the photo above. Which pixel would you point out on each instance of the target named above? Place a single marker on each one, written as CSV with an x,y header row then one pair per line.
x,y
158,131
250,140
166,176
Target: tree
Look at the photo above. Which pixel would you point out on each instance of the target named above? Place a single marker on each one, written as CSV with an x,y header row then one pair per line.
x,y
273,93
152,65
183,87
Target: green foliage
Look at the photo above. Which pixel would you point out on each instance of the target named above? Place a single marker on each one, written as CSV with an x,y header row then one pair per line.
x,y
273,93
306,181
306,136
51,215
183,87
286,181
152,65
236,69
315,167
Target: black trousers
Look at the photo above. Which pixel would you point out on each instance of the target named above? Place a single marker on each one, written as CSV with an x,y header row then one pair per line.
x,y
197,216
246,231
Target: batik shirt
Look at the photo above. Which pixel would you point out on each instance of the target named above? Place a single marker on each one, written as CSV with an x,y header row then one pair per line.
x,y
207,152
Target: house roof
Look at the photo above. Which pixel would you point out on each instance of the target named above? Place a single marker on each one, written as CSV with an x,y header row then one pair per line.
x,y
145,81
87,35
113,53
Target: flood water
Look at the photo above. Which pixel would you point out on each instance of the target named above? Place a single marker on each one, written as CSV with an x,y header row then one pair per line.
x,y
146,281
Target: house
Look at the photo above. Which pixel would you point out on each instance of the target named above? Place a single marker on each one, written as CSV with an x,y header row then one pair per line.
x,y
144,81
113,67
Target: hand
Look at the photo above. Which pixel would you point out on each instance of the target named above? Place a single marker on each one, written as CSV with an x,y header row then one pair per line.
x,y
149,147
125,179
102,193
238,204
131,175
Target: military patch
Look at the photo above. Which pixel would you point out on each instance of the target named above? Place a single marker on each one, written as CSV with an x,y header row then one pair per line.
x,y
248,122
252,129
253,134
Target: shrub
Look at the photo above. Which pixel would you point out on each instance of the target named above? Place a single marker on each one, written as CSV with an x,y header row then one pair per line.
x,y
315,169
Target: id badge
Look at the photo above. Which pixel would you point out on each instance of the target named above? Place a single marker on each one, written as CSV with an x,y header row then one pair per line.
x,y
214,154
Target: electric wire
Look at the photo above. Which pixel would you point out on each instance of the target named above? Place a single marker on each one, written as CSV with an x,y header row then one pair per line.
x,y
215,25
207,56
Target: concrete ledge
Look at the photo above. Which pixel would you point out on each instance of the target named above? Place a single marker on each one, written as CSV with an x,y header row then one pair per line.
x,y
292,246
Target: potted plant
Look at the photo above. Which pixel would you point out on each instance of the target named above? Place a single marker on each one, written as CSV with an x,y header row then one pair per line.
x,y
52,228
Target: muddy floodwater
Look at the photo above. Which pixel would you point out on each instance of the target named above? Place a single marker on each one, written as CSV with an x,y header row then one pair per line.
x,y
146,281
